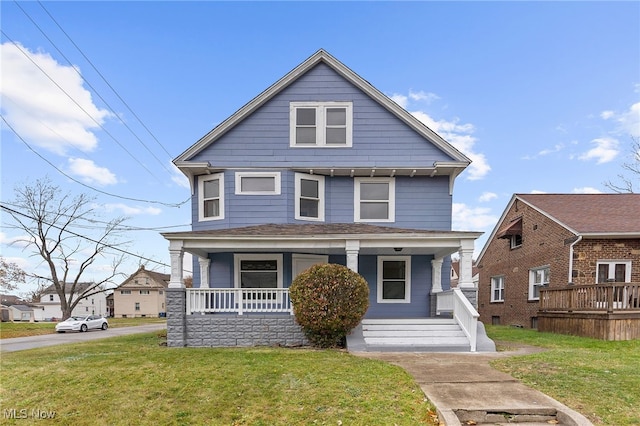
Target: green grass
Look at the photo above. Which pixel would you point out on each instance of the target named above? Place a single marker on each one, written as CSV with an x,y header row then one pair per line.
x,y
23,329
133,380
597,378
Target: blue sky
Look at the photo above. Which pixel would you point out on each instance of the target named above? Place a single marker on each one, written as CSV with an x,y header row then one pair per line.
x,y
542,96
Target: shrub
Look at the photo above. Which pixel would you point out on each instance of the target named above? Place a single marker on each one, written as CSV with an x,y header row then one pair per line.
x,y
329,300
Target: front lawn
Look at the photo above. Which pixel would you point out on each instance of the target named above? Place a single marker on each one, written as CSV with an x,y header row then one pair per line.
x,y
23,329
133,380
600,379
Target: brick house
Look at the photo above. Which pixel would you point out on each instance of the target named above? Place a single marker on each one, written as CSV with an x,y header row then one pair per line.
x,y
558,241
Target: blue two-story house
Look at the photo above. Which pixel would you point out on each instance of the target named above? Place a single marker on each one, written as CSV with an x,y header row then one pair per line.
x,y
321,167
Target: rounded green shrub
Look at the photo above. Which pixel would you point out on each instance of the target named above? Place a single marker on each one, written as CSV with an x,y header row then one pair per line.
x,y
329,300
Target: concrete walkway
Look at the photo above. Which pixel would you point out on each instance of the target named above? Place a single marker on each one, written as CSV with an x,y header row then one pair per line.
x,y
466,390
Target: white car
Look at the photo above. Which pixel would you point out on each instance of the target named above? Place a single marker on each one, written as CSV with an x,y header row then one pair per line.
x,y
82,323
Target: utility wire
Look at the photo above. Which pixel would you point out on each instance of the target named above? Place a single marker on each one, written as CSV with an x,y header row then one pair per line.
x,y
91,86
78,105
82,183
12,212
105,80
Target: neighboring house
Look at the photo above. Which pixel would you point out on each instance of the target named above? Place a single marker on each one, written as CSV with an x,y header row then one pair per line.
x,y
95,304
110,305
455,274
320,167
565,243
26,313
141,295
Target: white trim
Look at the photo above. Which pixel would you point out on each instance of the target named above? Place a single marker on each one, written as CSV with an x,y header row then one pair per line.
x,y
357,201
321,125
238,257
298,195
407,278
201,180
501,279
274,175
532,278
297,259
612,271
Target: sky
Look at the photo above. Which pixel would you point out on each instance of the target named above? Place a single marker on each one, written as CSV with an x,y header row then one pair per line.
x,y
99,97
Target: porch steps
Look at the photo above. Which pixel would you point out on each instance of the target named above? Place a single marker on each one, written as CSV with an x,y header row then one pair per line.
x,y
408,335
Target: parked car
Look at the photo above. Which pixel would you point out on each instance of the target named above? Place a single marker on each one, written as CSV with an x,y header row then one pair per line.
x,y
82,323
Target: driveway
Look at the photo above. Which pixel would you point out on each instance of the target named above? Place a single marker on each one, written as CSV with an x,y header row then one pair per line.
x,y
32,342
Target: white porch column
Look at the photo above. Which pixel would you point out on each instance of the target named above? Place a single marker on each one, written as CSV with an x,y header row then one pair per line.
x,y
205,263
352,248
465,278
177,256
436,275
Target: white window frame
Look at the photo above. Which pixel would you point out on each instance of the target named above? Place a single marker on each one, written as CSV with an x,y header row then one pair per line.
x,y
321,108
298,193
201,200
499,279
532,281
237,258
407,276
612,269
274,175
513,243
392,198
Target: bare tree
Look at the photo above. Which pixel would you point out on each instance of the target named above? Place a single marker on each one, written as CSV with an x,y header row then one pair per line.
x,y
55,224
10,275
629,178
35,295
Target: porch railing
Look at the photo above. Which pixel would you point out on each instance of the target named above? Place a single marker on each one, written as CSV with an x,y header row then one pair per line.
x,y
463,312
238,300
609,297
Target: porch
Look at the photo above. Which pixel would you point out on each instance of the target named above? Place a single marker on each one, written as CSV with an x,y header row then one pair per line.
x,y
608,311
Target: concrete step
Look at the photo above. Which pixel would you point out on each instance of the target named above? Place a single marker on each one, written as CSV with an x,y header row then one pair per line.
x,y
527,417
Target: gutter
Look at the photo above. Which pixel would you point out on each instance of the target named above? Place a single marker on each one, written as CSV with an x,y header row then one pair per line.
x,y
571,258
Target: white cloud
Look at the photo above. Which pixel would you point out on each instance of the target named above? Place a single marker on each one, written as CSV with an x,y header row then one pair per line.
x,y
401,100
630,120
427,97
537,191
460,136
467,218
178,178
40,111
132,211
604,151
91,173
605,115
487,196
586,190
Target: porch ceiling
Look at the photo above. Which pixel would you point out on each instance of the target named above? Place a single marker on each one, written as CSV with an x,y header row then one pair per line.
x,y
323,239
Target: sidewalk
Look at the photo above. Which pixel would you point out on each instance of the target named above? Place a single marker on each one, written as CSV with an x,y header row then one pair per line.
x,y
466,390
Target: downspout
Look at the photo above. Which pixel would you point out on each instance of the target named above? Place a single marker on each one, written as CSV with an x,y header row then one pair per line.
x,y
570,280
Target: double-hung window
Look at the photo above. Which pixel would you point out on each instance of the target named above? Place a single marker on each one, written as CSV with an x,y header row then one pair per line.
x,y
374,200
497,289
538,277
309,197
394,283
258,271
257,183
211,197
321,124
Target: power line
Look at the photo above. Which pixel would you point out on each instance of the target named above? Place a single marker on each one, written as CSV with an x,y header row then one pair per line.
x,y
12,212
82,183
91,86
105,80
78,105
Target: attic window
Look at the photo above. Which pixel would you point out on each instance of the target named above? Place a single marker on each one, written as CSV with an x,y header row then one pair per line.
x,y
321,124
513,232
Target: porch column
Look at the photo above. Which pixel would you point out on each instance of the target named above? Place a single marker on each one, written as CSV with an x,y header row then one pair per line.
x,y
352,248
177,256
205,263
436,275
466,265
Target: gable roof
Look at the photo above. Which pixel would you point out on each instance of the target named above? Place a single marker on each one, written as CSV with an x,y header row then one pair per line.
x,y
161,280
80,288
321,56
586,215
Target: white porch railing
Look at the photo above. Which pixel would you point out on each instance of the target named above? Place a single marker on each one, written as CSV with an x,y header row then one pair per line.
x,y
238,300
463,312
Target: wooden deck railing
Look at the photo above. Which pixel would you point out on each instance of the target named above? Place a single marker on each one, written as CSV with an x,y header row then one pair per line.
x,y
238,300
609,297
